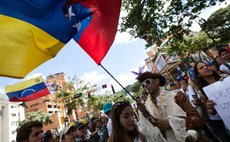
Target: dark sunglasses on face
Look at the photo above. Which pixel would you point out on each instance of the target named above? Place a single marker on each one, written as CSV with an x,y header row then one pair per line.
x,y
122,103
146,82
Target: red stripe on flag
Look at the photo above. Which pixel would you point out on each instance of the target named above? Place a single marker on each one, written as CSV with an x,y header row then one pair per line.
x,y
99,35
33,96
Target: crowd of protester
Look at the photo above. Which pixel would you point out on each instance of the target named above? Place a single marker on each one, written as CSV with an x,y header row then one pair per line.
x,y
177,112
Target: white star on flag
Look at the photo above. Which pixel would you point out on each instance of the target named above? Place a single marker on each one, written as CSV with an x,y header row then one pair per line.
x,y
77,25
32,90
70,13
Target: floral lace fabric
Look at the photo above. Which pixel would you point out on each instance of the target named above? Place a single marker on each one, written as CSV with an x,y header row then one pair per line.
x,y
167,109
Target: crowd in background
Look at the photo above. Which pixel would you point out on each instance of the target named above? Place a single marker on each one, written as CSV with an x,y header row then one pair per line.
x,y
177,111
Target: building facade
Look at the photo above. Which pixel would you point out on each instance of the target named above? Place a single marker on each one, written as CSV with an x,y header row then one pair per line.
x,y
10,116
12,113
48,105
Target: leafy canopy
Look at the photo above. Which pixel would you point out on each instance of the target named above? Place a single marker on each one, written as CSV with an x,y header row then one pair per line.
x,y
188,45
218,25
39,116
156,20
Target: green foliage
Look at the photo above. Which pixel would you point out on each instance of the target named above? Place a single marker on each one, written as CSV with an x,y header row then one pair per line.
x,y
188,44
96,102
155,20
136,89
120,96
35,116
69,92
200,42
70,106
39,116
218,25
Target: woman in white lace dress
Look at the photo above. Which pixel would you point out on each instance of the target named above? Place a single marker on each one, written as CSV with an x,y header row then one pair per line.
x,y
123,127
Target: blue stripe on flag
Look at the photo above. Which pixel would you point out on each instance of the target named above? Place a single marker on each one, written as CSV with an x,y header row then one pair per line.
x,y
27,91
84,16
84,24
45,14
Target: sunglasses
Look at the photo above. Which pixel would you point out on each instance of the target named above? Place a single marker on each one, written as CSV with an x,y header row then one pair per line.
x,y
146,82
122,103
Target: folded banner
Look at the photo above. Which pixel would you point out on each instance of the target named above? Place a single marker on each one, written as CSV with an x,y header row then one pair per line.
x,y
33,32
27,90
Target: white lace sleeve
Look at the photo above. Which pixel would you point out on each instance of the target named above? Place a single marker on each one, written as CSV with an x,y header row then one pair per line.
x,y
152,134
179,128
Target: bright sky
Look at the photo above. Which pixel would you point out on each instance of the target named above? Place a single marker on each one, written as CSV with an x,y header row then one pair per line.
x,y
124,56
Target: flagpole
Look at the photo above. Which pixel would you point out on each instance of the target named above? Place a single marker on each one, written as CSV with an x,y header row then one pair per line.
x,y
118,82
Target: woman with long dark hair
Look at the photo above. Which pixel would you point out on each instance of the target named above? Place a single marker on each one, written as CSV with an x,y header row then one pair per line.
x,y
204,76
123,127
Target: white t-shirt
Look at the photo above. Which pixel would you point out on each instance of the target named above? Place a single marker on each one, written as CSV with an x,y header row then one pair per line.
x,y
109,126
224,68
189,94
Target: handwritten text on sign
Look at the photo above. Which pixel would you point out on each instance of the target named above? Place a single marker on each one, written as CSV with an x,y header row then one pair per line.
x,y
219,92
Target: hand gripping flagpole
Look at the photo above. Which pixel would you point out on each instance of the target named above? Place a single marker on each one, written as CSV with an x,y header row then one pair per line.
x,y
118,82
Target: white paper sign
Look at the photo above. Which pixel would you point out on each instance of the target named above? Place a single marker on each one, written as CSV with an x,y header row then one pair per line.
x,y
219,92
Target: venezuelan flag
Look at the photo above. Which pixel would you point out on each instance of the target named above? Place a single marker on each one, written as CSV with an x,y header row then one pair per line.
x,y
27,90
32,32
98,23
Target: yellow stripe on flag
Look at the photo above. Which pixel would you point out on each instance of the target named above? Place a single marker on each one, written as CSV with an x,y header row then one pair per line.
x,y
23,85
23,47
